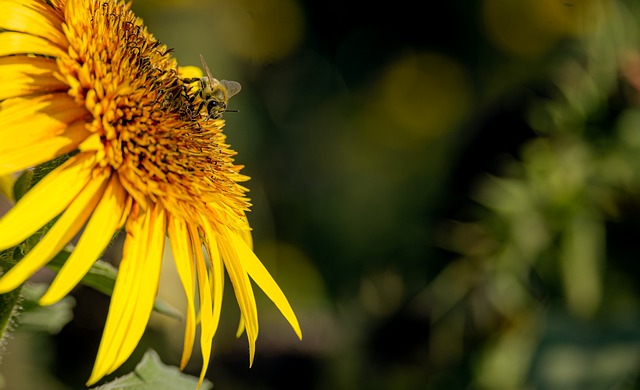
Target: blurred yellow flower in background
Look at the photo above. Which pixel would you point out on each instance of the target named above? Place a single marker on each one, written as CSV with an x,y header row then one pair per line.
x,y
528,28
423,94
86,77
261,31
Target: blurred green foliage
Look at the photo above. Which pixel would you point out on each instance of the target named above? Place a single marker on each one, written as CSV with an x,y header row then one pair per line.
x,y
450,198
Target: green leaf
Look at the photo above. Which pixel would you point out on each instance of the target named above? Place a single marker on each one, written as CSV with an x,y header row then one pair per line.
x,y
9,301
22,184
152,374
50,319
42,170
102,277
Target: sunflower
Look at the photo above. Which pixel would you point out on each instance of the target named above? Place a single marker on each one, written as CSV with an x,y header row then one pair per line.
x,y
84,79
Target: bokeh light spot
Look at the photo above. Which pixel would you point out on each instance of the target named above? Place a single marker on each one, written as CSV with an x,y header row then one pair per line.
x,y
529,28
261,31
423,94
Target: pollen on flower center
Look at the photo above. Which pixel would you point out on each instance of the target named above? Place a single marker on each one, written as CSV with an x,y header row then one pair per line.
x,y
143,124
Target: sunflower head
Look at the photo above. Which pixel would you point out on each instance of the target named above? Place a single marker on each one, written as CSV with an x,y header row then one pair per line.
x,y
87,77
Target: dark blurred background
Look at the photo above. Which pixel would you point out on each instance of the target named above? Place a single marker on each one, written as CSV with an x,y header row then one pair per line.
x,y
447,192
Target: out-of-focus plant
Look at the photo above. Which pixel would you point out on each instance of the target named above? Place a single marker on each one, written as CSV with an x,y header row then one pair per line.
x,y
534,263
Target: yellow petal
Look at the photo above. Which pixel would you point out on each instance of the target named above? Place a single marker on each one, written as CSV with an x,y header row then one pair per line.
x,y
241,287
46,200
44,149
216,271
96,236
240,329
28,65
24,122
58,236
31,17
183,258
206,309
264,280
22,75
189,72
152,257
57,4
134,292
247,237
18,43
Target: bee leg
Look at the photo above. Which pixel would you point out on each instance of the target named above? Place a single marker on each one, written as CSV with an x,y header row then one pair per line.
x,y
200,107
193,97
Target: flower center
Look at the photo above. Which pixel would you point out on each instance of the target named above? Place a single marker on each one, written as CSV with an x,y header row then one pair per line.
x,y
143,114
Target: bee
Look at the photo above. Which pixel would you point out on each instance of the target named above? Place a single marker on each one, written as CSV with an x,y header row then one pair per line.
x,y
215,94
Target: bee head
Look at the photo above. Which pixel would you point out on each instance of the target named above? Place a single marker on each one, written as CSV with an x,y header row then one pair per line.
x,y
213,104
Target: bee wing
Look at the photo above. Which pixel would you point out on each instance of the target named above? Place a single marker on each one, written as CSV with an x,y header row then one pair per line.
x,y
232,87
207,71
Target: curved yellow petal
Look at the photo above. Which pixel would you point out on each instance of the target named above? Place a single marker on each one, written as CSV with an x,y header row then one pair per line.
x,y
31,17
44,150
27,65
24,122
156,228
46,200
130,265
216,271
264,280
18,43
22,75
183,258
22,85
190,72
241,287
96,236
134,292
58,236
245,232
57,4
16,110
240,329
207,330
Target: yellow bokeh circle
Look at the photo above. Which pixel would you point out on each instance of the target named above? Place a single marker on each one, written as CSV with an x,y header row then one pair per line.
x,y
262,31
423,94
